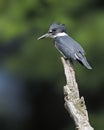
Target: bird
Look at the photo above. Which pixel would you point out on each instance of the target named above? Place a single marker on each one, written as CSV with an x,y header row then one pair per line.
x,y
67,46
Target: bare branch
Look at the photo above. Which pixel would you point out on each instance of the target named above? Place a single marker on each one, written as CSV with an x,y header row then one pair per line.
x,y
73,103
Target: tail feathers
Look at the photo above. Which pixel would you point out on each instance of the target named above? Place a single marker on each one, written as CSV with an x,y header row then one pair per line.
x,y
85,63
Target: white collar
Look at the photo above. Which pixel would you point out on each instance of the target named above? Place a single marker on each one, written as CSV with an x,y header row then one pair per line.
x,y
60,34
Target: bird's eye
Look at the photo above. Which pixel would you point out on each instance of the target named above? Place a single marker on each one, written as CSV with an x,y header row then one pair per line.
x,y
53,30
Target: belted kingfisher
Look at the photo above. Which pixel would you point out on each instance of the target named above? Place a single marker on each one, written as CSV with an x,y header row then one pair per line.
x,y
67,46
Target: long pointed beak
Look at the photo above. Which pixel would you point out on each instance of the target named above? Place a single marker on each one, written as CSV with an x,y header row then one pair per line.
x,y
44,36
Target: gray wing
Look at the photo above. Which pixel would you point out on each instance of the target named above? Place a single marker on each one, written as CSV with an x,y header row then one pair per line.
x,y
69,48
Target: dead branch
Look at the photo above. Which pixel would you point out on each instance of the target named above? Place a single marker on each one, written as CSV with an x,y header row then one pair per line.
x,y
73,103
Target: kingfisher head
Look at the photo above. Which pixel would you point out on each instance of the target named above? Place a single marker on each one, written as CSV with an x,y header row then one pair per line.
x,y
55,30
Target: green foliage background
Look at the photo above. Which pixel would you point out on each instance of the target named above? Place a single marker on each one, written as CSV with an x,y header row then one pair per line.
x,y
40,61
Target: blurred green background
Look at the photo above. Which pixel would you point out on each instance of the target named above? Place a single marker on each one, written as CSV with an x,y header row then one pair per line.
x,y
38,63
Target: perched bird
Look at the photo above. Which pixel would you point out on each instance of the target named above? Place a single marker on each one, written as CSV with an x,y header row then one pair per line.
x,y
67,46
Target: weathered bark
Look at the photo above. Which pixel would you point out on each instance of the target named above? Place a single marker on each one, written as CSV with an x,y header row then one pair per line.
x,y
73,103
